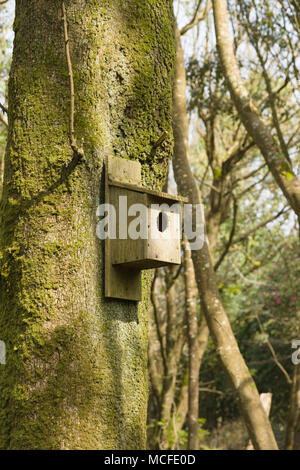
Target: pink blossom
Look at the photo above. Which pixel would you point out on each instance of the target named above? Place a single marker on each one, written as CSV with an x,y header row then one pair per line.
x,y
274,266
293,299
278,300
274,292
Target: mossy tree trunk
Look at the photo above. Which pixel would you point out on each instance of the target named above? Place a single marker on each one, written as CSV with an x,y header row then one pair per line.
x,y
76,372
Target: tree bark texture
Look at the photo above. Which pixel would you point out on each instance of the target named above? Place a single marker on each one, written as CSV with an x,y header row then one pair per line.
x,y
76,372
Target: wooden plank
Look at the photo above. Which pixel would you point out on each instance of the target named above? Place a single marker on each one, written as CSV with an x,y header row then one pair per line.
x,y
121,283
127,249
151,192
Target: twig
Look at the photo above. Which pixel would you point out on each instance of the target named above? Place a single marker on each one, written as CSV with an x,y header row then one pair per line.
x,y
4,108
198,16
3,120
245,235
272,350
78,152
161,139
158,331
209,390
202,182
249,175
232,232
249,281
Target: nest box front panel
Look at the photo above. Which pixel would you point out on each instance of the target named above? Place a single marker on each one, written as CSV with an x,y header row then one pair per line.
x,y
163,247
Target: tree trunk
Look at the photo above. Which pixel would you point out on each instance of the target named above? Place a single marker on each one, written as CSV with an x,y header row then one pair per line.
x,y
260,133
194,357
294,408
257,422
174,343
183,400
266,400
76,372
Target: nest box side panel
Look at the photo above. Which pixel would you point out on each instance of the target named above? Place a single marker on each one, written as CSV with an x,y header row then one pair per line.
x,y
120,282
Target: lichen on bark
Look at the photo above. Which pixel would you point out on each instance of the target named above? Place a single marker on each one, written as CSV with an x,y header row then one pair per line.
x,y
76,372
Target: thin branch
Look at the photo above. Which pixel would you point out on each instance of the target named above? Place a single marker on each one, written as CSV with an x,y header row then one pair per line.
x,y
271,100
247,190
198,16
175,277
209,390
235,157
78,152
162,138
265,100
199,130
3,120
232,232
272,350
260,225
204,176
248,281
252,173
158,331
4,108
210,186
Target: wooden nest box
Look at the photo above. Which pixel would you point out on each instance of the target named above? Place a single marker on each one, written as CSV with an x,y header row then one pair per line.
x,y
147,232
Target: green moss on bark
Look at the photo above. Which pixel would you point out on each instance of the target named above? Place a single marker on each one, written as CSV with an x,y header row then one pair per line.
x,y
76,372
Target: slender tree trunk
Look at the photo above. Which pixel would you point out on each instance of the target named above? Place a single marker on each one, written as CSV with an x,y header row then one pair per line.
x,y
182,404
260,133
174,342
1,175
294,409
194,357
257,422
76,372
266,400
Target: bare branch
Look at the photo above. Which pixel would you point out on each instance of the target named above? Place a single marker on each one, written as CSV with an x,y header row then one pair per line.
x,y
260,225
247,190
198,16
235,157
4,108
244,278
232,232
209,390
159,333
252,173
3,120
272,350
78,152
